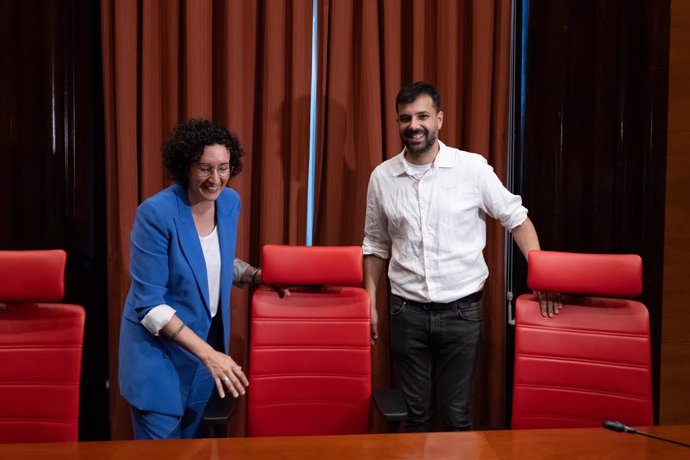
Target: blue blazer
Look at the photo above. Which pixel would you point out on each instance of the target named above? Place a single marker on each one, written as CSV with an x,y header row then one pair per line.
x,y
168,267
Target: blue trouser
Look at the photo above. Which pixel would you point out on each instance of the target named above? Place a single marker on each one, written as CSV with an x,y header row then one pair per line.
x,y
155,425
439,340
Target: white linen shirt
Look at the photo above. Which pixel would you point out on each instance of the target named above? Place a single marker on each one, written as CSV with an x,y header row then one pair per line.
x,y
434,228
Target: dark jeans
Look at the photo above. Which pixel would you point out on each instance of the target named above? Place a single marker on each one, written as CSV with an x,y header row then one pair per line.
x,y
438,339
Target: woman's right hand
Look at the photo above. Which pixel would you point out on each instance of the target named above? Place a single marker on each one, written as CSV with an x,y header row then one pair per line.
x,y
227,374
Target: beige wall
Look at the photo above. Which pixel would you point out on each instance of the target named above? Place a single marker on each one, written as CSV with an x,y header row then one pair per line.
x,y
675,345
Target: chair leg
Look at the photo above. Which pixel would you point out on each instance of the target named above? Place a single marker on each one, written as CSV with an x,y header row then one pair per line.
x,y
212,430
214,422
220,431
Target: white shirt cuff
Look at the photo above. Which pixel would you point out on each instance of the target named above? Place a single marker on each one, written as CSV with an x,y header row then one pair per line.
x,y
370,248
157,318
518,219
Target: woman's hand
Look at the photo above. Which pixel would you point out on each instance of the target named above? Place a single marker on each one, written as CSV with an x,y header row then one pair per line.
x,y
227,374
281,290
258,279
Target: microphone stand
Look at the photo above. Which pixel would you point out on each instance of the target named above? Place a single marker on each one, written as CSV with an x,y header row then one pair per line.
x,y
620,428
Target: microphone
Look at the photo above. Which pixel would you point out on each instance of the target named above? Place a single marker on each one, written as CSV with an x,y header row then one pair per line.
x,y
618,427
614,425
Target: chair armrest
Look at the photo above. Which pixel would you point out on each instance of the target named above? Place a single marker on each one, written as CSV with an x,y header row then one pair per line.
x,y
218,410
390,404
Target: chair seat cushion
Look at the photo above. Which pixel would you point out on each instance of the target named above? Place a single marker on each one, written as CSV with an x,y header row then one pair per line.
x,y
309,363
589,364
40,358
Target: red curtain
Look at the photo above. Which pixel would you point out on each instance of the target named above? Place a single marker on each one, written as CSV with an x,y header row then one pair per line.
x,y
247,64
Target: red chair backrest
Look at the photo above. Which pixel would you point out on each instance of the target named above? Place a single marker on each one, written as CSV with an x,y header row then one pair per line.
x,y
309,353
40,349
592,362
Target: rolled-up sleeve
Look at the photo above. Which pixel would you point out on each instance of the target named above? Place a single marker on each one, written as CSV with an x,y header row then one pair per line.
x,y
376,237
239,266
498,201
157,318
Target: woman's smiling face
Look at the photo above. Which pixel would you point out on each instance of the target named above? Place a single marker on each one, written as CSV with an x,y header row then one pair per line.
x,y
209,175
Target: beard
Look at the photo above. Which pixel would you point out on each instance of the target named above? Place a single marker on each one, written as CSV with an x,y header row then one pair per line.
x,y
421,147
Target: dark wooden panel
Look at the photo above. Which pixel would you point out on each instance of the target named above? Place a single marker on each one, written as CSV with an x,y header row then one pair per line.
x,y
675,380
594,146
676,314
675,372
53,169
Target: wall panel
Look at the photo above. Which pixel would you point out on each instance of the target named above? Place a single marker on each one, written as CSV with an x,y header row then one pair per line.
x,y
675,347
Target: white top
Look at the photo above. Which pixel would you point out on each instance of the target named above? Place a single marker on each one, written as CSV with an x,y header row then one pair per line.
x,y
416,171
158,316
211,247
433,228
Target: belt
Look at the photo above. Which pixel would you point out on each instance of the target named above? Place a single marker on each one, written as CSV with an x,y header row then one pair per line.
x,y
436,306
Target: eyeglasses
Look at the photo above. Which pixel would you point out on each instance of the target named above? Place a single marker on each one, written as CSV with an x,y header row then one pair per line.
x,y
204,170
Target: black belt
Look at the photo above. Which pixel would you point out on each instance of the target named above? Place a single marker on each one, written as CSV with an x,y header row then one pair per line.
x,y
476,297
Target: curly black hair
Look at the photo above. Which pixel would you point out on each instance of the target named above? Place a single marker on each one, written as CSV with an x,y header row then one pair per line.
x,y
186,144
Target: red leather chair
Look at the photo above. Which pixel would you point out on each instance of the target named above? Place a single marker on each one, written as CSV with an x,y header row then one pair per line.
x,y
40,349
592,362
309,353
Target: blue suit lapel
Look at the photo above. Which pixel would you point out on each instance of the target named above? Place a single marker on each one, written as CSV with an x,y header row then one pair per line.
x,y
227,250
190,244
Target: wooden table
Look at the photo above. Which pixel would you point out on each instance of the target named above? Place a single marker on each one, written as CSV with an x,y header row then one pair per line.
x,y
518,444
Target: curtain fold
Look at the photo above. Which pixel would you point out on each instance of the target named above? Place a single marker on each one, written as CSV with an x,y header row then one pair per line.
x,y
247,65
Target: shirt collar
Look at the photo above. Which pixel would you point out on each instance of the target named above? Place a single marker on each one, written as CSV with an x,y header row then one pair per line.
x,y
444,159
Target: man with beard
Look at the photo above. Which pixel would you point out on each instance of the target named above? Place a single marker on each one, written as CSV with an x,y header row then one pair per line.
x,y
426,210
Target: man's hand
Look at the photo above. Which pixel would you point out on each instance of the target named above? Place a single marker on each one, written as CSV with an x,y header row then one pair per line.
x,y
549,302
373,269
374,322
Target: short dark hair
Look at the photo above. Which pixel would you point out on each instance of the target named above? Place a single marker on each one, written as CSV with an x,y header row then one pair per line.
x,y
186,144
410,93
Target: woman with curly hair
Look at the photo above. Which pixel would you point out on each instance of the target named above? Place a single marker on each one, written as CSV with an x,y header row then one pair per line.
x,y
176,320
